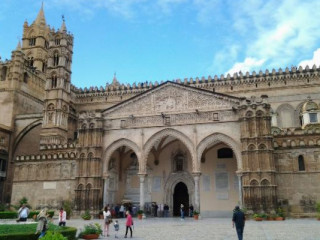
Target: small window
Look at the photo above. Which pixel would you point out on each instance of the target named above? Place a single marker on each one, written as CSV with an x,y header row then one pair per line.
x,y
46,44
57,41
30,61
1,140
56,59
32,41
25,77
178,162
313,117
54,81
301,163
225,153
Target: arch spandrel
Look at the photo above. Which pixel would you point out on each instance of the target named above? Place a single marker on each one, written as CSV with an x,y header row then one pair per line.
x,y
117,144
220,138
156,138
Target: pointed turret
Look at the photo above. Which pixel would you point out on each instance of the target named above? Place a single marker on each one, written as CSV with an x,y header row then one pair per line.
x,y
40,18
115,80
18,48
63,27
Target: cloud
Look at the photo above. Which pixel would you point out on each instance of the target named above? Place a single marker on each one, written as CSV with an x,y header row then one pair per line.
x,y
247,65
314,61
273,33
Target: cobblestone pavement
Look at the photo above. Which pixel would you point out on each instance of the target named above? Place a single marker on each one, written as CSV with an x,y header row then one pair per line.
x,y
212,228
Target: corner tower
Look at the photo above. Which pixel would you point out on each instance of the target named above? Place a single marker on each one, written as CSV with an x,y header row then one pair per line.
x,y
57,97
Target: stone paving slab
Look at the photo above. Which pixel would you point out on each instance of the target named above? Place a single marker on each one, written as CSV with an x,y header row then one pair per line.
x,y
211,228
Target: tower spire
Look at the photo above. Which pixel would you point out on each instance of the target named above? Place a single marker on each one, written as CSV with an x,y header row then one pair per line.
x,y
63,25
40,18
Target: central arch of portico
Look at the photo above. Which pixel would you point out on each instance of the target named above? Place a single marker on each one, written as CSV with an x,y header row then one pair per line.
x,y
155,138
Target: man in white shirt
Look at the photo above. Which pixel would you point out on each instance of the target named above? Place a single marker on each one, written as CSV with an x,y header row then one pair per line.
x,y
23,213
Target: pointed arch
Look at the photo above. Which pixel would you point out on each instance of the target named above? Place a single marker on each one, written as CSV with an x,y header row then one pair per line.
x,y
155,138
114,146
217,138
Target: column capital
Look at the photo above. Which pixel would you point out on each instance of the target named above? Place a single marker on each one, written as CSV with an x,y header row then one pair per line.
x,y
239,173
196,174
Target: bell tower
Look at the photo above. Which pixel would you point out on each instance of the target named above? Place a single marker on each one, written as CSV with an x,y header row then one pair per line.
x,y
35,42
57,97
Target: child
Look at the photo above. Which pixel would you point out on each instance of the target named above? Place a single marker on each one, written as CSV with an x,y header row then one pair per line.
x,y
116,228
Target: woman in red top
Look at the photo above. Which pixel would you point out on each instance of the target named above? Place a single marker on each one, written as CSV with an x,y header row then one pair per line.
x,y
129,223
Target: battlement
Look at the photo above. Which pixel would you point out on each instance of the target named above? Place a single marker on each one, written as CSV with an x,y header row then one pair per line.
x,y
203,82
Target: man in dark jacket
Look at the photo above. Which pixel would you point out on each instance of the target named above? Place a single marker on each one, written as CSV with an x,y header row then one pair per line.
x,y
238,219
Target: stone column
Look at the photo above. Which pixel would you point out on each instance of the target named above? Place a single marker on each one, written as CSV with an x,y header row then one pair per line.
x,y
105,193
196,177
142,180
240,189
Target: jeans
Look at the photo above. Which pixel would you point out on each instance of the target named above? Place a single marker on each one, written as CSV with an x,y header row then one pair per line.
x,y
240,232
182,213
127,227
42,234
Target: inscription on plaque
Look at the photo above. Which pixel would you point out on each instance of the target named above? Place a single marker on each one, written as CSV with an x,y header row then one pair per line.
x,y
156,186
222,195
222,181
206,183
49,185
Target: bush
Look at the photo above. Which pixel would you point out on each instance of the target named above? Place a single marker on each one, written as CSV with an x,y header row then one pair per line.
x,y
53,236
8,215
196,213
318,207
26,231
86,215
140,212
32,213
67,206
91,229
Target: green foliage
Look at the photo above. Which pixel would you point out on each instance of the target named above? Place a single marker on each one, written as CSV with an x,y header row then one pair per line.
x,y
24,200
2,207
67,206
318,207
280,212
91,229
140,212
26,231
53,236
32,213
8,215
86,215
196,213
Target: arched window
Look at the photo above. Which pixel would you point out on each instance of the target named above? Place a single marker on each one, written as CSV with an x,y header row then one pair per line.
x,y
55,59
301,163
178,162
57,41
54,81
51,107
25,77
32,41
225,153
30,61
3,73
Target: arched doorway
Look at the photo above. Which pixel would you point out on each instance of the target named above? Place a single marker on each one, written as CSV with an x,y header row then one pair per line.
x,y
180,196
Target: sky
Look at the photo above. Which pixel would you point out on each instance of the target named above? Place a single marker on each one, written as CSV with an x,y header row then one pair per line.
x,y
155,40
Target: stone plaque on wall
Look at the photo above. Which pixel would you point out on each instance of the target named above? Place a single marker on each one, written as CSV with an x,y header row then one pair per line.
x,y
156,185
236,182
222,195
206,183
222,181
49,185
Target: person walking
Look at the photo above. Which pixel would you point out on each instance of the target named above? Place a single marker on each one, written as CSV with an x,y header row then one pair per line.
x,y
166,210
42,223
121,211
182,211
191,210
238,219
62,217
23,213
107,220
129,223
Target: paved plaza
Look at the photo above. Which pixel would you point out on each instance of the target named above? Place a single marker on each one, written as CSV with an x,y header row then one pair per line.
x,y
212,228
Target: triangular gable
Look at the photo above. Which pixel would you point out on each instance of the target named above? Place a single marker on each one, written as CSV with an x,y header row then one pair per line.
x,y
171,98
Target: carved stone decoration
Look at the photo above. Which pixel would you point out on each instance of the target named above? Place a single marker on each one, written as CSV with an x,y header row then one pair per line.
x,y
171,97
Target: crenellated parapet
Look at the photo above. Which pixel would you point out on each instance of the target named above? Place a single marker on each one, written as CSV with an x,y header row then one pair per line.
x,y
224,83
289,138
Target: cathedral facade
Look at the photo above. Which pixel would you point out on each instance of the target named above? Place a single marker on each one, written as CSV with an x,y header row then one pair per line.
x,y
251,139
